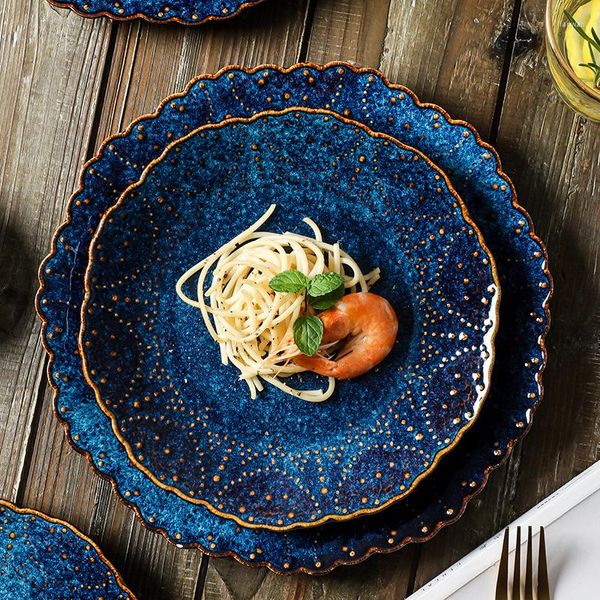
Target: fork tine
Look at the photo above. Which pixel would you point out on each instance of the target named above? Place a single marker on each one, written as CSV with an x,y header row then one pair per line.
x,y
529,566
543,588
502,581
516,586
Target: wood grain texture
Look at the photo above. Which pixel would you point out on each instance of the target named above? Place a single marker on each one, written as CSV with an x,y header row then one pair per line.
x,y
351,30
152,62
451,53
552,155
46,122
380,577
66,83
146,64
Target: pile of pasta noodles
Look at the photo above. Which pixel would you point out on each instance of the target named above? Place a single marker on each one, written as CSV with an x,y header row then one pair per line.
x,y
252,323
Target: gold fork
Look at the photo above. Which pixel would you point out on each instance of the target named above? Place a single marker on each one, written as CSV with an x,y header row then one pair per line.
x,y
543,589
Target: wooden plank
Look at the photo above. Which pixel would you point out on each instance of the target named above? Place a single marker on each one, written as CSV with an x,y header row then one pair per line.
x,y
381,577
397,37
351,30
149,63
340,30
552,156
451,53
46,123
152,63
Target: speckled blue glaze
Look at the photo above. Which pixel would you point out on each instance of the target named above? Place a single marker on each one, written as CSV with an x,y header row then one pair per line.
x,y
45,559
188,12
520,260
279,461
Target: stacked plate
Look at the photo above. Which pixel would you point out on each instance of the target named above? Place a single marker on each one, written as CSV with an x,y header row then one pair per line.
x,y
44,557
394,455
186,12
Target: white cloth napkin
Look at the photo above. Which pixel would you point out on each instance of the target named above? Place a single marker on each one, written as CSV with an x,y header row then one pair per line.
x,y
571,518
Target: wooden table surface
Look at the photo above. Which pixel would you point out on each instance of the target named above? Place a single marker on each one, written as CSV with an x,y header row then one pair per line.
x,y
66,83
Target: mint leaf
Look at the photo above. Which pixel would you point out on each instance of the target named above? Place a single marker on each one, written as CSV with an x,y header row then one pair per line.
x,y
289,281
328,300
324,284
325,290
308,333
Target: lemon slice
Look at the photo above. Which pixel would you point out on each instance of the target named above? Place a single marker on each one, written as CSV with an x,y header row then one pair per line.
x,y
578,50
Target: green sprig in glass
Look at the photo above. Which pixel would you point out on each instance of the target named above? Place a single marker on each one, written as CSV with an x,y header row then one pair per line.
x,y
593,44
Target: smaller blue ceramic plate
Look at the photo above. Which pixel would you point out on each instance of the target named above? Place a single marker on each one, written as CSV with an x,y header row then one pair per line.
x,y
44,558
278,462
187,12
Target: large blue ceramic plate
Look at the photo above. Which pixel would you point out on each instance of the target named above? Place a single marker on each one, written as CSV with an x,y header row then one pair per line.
x,y
520,355
188,12
277,461
44,558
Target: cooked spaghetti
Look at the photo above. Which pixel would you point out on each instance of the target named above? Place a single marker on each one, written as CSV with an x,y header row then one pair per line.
x,y
252,323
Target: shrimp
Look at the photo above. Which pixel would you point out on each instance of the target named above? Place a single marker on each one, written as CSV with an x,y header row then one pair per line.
x,y
370,325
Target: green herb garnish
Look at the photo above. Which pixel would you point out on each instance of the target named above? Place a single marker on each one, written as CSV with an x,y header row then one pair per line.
x,y
593,44
289,281
327,300
322,292
324,284
308,333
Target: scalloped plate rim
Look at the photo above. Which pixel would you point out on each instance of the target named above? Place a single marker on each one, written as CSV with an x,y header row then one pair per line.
x,y
374,549
144,17
82,536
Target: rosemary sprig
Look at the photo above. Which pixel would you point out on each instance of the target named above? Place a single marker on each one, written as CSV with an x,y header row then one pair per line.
x,y
593,44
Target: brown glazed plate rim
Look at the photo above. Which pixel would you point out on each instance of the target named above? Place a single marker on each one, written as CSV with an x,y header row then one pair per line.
x,y
144,17
79,534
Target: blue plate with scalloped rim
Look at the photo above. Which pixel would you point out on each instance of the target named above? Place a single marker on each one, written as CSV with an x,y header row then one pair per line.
x,y
45,558
474,169
186,12
277,461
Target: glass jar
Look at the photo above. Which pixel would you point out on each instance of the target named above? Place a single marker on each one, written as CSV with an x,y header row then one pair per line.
x,y
577,94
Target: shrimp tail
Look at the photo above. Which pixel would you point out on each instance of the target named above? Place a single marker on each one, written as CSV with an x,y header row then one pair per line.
x,y
317,364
